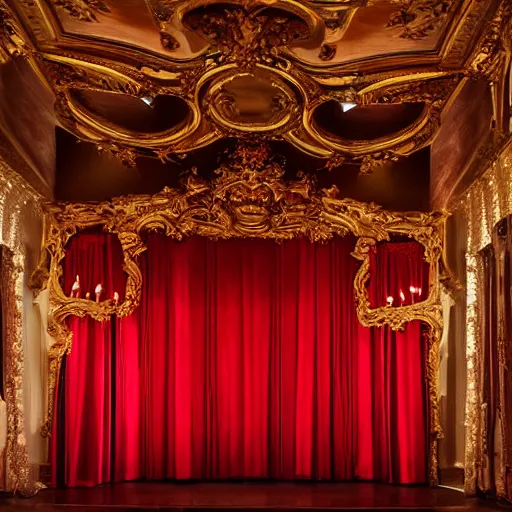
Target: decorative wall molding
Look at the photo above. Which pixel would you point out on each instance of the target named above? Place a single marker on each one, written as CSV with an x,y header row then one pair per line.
x,y
12,39
16,196
419,18
211,48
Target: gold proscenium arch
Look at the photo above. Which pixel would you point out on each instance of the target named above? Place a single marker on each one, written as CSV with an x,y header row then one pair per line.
x,y
289,209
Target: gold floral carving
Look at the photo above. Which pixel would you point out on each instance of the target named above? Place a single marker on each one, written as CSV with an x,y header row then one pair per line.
x,y
419,18
85,10
12,42
15,198
249,36
248,197
494,46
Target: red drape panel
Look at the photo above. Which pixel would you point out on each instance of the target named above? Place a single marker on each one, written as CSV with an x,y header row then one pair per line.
x,y
245,360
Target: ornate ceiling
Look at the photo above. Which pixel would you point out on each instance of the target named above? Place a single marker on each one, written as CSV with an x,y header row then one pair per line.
x,y
164,77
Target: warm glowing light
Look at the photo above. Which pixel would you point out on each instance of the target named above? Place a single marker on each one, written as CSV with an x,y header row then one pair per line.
x,y
418,290
87,295
346,106
402,296
116,298
98,291
75,289
390,300
412,289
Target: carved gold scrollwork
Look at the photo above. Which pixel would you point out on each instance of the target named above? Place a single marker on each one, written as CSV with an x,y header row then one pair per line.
x,y
248,197
419,18
12,41
85,10
239,46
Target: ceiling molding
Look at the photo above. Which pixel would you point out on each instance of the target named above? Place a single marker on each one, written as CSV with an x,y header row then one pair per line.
x,y
211,56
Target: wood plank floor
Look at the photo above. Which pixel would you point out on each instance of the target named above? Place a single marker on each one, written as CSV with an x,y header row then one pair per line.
x,y
256,497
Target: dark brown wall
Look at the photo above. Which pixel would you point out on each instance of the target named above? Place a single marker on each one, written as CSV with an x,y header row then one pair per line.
x,y
84,174
402,186
464,127
27,124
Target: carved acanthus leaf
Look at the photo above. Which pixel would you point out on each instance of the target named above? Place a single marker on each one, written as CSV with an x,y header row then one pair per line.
x,y
419,18
493,45
248,37
12,43
85,10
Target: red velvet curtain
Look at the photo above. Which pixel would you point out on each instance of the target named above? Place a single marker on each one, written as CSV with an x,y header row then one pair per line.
x,y
245,360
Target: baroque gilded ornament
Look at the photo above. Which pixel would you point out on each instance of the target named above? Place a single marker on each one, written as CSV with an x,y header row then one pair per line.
x,y
16,199
418,18
247,197
86,10
215,55
12,41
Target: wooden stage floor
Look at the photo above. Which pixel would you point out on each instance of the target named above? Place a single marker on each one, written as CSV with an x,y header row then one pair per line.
x,y
255,497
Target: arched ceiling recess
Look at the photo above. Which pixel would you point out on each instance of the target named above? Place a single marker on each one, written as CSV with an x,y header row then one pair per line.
x,y
166,77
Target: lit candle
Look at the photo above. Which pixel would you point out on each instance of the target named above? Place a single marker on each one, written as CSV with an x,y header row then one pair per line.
x,y
87,295
116,298
75,289
98,291
402,298
419,291
412,289
389,300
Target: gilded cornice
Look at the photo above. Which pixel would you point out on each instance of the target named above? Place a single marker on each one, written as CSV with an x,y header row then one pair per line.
x,y
248,40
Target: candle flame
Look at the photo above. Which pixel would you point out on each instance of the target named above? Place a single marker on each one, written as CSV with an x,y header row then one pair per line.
x,y
412,289
75,289
402,296
390,300
87,295
98,288
116,297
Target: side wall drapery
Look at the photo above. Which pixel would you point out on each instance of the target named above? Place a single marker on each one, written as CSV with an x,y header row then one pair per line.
x,y
244,360
495,328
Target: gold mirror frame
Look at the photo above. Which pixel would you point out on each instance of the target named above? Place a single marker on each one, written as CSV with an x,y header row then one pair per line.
x,y
205,208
